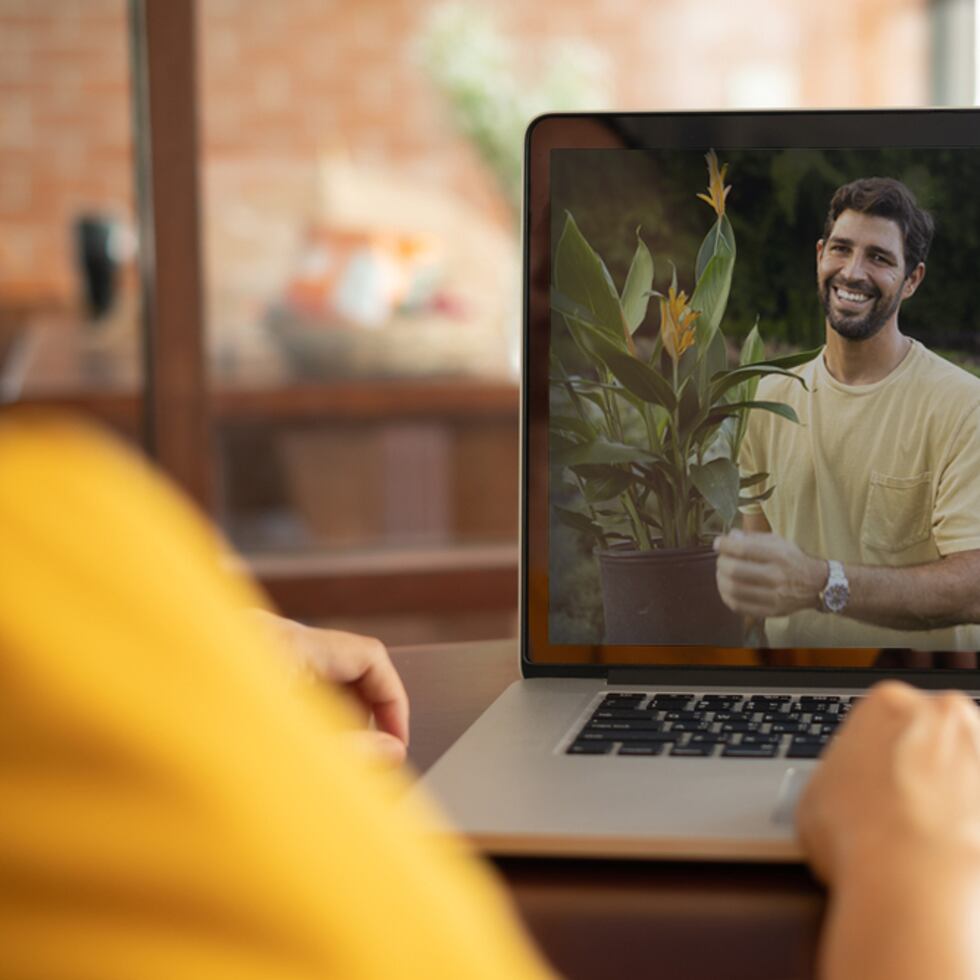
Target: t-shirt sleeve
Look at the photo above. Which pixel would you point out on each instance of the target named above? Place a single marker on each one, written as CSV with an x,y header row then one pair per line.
x,y
169,805
956,513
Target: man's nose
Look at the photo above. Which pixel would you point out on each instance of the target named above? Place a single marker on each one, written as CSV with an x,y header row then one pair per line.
x,y
854,268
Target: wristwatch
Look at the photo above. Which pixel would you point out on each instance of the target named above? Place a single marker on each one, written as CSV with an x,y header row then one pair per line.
x,y
836,591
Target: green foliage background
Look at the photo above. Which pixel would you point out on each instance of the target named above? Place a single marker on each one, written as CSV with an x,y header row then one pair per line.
x,y
777,207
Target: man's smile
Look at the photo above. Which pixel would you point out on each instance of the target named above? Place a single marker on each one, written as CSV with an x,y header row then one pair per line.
x,y
854,298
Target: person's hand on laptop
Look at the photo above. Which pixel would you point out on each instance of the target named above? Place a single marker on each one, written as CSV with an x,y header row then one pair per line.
x,y
891,822
361,665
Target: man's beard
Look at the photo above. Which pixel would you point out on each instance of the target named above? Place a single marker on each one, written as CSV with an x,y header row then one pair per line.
x,y
852,327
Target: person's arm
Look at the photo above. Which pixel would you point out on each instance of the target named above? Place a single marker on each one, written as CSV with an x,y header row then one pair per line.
x,y
891,822
170,805
765,575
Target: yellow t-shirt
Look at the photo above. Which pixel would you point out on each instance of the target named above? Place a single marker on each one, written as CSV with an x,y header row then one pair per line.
x,y
170,807
879,474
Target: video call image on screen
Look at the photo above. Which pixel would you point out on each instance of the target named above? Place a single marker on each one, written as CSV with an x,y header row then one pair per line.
x,y
775,349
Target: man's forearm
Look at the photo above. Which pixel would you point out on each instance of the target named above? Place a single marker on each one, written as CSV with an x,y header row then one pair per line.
x,y
941,593
764,575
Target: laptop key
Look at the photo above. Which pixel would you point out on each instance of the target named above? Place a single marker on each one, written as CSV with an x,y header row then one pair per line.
x,y
671,702
625,726
689,726
750,751
787,727
758,739
622,714
641,749
694,750
590,748
740,726
804,750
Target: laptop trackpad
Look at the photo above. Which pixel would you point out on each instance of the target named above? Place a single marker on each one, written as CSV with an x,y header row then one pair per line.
x,y
790,789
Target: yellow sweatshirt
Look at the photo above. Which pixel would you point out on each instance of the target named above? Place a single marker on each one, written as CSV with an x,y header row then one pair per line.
x,y
170,807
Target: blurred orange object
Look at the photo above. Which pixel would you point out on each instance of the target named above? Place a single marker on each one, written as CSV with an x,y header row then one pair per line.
x,y
360,278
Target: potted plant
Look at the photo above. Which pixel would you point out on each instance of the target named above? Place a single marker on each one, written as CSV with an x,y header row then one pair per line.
x,y
649,434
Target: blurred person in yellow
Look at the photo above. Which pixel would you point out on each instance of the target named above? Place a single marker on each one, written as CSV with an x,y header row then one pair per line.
x,y
173,805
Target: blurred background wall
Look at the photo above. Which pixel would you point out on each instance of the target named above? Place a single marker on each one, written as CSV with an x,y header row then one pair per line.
x,y
295,78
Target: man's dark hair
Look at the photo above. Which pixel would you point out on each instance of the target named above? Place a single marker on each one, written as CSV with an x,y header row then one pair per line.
x,y
885,197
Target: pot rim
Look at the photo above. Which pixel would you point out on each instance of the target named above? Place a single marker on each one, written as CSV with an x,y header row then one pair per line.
x,y
657,554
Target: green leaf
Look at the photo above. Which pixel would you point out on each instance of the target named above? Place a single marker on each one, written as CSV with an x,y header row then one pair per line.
x,y
639,282
558,443
711,245
608,485
580,522
689,409
565,305
753,351
789,360
599,451
573,424
765,495
717,482
582,277
726,380
711,296
732,409
639,378
752,347
751,481
714,360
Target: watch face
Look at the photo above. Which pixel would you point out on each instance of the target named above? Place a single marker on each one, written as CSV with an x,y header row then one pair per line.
x,y
835,597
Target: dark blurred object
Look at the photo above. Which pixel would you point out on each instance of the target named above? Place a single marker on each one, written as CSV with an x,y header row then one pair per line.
x,y
97,261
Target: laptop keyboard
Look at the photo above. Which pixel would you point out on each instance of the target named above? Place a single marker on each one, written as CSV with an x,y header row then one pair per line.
x,y
733,726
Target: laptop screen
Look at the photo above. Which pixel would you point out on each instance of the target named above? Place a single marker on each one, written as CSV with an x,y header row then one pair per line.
x,y
753,390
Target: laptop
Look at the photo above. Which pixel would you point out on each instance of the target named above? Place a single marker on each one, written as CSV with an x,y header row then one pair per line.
x,y
749,400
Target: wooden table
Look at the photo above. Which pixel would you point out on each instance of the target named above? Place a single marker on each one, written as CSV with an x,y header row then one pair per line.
x,y
612,919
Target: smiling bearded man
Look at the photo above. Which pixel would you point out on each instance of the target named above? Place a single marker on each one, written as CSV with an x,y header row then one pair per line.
x,y
871,537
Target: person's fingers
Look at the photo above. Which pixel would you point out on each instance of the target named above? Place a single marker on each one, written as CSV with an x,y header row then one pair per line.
x,y
363,665
377,747
750,545
744,572
359,663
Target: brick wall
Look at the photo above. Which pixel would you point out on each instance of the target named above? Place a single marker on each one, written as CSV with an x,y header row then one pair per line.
x,y
287,79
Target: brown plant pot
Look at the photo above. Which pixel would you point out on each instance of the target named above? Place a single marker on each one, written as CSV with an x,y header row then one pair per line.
x,y
666,596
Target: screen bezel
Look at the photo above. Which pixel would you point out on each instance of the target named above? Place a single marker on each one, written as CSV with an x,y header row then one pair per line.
x,y
946,128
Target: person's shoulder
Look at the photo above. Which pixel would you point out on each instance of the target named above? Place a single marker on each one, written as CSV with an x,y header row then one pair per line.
x,y
940,374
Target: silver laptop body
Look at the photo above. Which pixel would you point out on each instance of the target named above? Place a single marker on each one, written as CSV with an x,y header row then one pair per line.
x,y
512,783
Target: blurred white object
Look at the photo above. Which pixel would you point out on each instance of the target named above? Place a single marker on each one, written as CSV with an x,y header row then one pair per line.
x,y
477,70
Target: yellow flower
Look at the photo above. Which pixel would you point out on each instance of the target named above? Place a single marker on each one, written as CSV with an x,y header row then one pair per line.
x,y
717,191
676,323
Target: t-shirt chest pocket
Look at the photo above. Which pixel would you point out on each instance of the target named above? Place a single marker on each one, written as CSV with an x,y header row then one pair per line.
x,y
898,514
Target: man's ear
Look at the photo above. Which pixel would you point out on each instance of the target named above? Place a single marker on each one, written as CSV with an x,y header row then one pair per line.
x,y
820,244
914,280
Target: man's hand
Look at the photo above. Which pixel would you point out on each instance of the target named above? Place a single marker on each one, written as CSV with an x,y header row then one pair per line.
x,y
361,665
891,821
764,575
